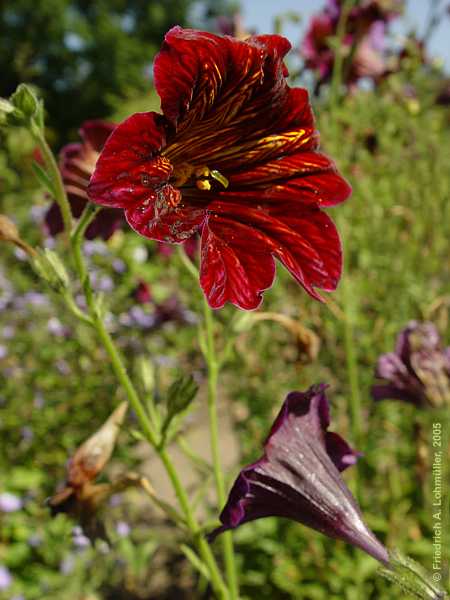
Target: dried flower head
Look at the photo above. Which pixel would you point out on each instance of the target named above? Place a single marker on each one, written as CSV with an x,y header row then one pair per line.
x,y
81,497
419,369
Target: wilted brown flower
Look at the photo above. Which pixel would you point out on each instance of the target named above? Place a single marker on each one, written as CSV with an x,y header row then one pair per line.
x,y
81,496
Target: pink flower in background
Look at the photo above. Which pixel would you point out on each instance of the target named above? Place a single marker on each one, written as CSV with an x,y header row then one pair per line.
x,y
363,41
315,47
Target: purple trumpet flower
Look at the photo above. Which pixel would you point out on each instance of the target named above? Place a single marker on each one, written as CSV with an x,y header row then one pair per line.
x,y
419,369
298,477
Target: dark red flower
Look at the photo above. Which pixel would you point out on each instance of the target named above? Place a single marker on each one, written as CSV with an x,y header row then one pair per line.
x,y
298,477
234,157
316,47
77,162
143,293
190,246
364,30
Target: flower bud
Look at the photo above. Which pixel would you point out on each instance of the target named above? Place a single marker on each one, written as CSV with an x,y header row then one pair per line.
x,y
10,234
23,109
24,100
48,265
8,231
81,497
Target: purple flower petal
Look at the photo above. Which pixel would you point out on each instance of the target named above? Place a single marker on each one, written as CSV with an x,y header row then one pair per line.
x,y
419,369
10,502
298,477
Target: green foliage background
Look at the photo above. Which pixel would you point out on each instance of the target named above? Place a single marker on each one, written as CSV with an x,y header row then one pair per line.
x,y
86,57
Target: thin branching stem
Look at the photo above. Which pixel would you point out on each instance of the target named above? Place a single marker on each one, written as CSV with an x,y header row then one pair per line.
x,y
118,365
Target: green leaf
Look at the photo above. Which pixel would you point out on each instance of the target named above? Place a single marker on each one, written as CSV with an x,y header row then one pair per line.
x,y
137,435
195,561
179,398
43,177
49,266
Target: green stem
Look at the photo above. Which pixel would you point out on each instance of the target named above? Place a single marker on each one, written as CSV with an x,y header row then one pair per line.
x,y
353,378
71,305
187,262
55,176
150,434
336,78
213,374
152,437
75,243
203,546
118,364
352,364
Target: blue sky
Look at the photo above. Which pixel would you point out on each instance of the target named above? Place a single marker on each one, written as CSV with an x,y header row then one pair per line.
x,y
259,14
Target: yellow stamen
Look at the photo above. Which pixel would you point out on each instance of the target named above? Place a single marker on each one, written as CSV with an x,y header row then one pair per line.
x,y
202,172
184,172
203,184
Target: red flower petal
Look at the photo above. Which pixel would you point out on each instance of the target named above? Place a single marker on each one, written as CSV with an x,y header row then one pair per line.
x,y
320,238
168,224
222,93
306,177
95,133
77,161
307,244
184,55
234,268
130,163
196,70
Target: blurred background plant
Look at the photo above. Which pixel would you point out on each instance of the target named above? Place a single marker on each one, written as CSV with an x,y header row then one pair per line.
x,y
390,135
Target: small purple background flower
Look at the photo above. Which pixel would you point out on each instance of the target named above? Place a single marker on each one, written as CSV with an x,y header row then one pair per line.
x,y
123,529
10,502
418,371
5,578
